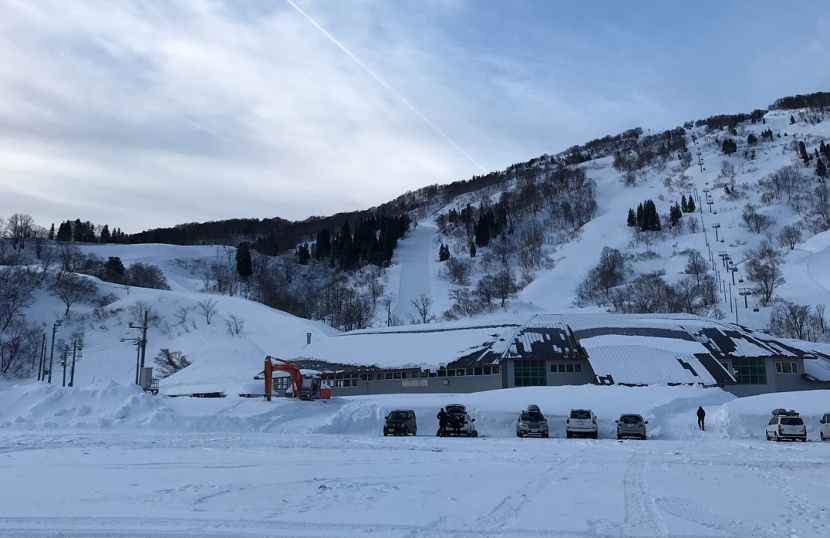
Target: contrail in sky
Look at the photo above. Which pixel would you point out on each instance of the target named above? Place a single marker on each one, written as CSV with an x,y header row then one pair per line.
x,y
385,85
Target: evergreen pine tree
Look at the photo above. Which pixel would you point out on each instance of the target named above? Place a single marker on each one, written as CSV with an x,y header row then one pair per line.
x,y
105,235
303,255
821,169
64,232
683,206
802,149
632,218
690,205
244,266
52,232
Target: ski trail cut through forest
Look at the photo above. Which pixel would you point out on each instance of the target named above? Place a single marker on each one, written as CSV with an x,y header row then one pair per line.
x,y
413,255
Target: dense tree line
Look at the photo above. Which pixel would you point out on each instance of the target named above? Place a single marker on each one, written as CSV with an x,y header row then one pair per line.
x,y
86,232
812,100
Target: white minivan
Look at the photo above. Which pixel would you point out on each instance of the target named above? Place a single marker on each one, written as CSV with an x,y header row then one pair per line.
x,y
824,427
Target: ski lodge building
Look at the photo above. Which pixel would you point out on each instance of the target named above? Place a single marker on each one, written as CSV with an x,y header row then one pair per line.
x,y
564,349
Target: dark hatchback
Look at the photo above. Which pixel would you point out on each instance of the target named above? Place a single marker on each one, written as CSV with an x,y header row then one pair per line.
x,y
400,422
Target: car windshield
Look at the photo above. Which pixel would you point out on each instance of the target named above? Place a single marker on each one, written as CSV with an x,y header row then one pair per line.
x,y
788,421
398,415
532,417
580,414
630,419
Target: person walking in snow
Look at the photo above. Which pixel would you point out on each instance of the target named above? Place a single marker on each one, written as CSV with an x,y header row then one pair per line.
x,y
442,422
701,415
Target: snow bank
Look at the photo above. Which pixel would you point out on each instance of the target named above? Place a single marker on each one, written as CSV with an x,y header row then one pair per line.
x,y
669,410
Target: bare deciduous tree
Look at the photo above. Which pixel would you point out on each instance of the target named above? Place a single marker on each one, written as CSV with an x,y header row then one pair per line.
x,y
235,324
72,288
423,305
696,265
19,227
458,270
465,303
17,287
790,235
790,320
169,362
763,268
208,309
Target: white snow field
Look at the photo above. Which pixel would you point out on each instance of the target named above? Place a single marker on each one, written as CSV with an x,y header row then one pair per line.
x,y
110,460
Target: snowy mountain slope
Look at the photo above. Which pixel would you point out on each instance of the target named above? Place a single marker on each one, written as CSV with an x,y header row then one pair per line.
x,y
222,358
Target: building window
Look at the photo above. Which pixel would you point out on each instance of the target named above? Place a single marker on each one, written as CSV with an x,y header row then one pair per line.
x,y
459,372
487,370
750,371
495,370
566,368
529,373
478,370
786,367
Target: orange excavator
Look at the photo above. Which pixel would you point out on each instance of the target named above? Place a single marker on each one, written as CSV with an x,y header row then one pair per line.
x,y
304,387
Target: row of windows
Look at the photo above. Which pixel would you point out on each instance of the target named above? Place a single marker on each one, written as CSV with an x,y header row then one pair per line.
x,y
352,379
470,370
786,367
566,367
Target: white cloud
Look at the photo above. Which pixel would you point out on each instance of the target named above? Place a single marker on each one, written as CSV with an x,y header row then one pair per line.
x,y
141,114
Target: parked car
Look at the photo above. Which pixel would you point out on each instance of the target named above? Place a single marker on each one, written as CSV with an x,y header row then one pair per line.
x,y
581,422
786,425
459,422
631,426
824,427
532,422
400,422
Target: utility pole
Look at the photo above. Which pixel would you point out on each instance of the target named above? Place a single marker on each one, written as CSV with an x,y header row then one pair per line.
x,y
76,351
141,344
52,352
64,358
42,358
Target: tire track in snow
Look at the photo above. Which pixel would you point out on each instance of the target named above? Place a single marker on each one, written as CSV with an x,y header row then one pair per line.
x,y
642,517
511,508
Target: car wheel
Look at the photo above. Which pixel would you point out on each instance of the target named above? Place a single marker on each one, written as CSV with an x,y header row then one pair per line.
x,y
545,435
569,434
767,435
775,437
643,437
803,439
518,434
619,436
596,435
385,433
474,433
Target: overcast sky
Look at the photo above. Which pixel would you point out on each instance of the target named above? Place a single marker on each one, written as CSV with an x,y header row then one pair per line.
x,y
148,114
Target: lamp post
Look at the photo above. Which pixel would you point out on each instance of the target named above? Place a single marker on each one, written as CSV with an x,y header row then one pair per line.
x,y
57,324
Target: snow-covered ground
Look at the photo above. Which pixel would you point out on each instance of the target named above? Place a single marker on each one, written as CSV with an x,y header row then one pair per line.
x,y
110,460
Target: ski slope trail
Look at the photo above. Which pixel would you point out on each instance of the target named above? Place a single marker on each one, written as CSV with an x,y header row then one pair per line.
x,y
414,256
